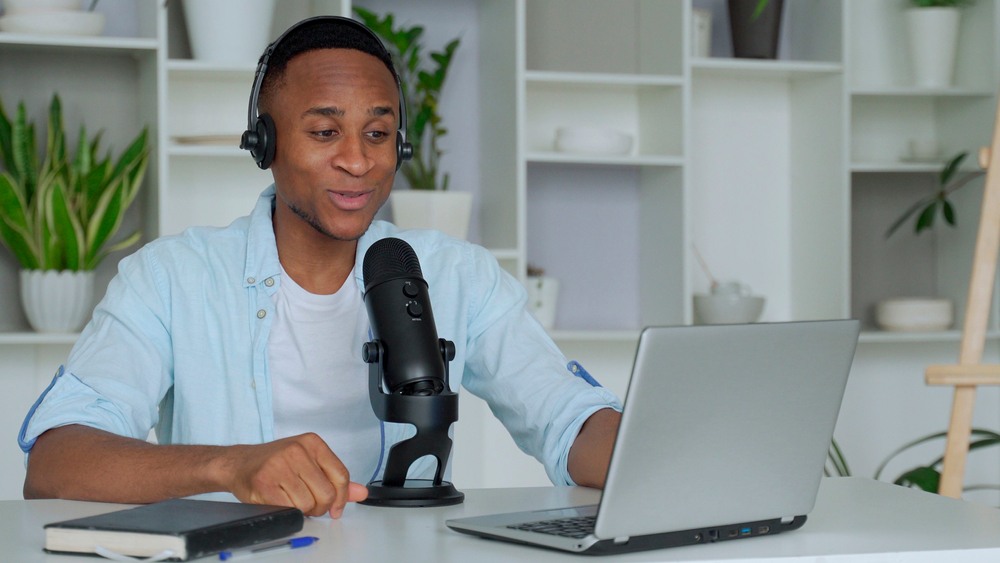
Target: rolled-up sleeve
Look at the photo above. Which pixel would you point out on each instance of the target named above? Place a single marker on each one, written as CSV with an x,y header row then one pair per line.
x,y
517,369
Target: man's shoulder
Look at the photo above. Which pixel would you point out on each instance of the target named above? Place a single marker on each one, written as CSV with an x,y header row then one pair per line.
x,y
199,243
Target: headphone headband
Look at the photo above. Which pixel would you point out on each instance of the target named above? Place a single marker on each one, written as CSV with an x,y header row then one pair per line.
x,y
259,138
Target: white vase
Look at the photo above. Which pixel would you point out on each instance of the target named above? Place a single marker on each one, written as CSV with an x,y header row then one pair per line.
x,y
57,301
543,293
445,211
228,31
933,35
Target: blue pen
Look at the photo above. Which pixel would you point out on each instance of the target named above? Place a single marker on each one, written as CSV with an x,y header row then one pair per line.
x,y
293,543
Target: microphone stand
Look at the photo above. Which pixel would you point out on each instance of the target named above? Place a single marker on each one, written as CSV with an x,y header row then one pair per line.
x,y
432,416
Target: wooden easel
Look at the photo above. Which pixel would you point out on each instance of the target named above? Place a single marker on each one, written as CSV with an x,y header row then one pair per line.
x,y
970,372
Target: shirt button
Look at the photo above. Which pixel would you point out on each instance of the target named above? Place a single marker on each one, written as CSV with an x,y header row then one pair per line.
x,y
269,282
251,280
261,314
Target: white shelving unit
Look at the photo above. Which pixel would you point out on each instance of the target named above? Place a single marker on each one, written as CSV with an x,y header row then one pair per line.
x,y
783,173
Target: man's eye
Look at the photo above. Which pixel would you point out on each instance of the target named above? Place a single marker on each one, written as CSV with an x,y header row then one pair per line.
x,y
324,133
378,135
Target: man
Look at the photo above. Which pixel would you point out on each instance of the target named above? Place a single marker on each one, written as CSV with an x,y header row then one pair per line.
x,y
242,345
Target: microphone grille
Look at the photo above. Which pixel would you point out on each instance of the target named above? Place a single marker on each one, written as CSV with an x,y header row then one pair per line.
x,y
390,258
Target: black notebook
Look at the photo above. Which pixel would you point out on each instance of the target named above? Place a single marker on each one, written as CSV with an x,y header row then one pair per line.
x,y
188,528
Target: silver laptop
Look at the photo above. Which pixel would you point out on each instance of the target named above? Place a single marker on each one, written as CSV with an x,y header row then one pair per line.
x,y
724,436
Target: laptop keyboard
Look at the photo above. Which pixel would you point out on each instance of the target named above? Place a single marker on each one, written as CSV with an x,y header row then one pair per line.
x,y
571,527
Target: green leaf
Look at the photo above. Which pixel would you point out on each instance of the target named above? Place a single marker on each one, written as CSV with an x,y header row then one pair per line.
x,y
949,212
106,220
14,231
6,138
925,478
926,219
66,226
952,167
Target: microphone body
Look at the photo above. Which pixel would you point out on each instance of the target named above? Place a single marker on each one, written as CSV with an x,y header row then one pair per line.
x,y
402,322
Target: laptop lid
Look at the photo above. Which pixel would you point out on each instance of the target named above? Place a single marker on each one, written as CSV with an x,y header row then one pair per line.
x,y
724,435
725,424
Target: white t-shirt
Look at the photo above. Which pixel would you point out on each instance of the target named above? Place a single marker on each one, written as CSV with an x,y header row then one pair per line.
x,y
318,379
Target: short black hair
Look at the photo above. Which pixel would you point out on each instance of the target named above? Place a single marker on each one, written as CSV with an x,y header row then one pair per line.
x,y
320,33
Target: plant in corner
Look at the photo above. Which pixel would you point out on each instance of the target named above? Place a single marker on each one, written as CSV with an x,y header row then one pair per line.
x,y
60,214
421,85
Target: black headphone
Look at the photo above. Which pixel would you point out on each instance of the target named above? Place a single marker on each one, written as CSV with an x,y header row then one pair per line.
x,y
259,138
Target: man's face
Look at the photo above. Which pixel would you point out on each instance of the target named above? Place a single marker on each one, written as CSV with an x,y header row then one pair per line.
x,y
335,118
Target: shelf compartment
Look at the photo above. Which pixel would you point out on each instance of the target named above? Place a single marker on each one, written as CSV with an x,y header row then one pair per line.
x,y
596,36
626,107
883,126
202,102
745,68
879,51
582,222
935,263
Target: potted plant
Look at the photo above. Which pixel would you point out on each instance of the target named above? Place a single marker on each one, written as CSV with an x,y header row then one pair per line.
x,y
428,203
59,214
755,26
932,29
927,477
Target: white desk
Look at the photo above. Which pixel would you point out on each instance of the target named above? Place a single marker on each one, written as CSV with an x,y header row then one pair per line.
x,y
854,520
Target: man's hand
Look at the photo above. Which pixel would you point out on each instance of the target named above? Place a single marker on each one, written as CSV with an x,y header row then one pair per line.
x,y
83,463
299,471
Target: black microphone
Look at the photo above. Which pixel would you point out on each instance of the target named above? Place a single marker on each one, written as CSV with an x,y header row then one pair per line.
x,y
399,310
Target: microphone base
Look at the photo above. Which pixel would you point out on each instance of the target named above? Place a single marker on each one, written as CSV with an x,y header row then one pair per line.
x,y
414,493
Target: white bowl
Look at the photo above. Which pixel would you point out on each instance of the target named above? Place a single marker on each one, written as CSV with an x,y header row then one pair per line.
x,y
592,140
13,7
727,309
54,23
915,314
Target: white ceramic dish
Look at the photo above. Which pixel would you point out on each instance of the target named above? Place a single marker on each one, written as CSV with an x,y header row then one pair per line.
x,y
54,23
913,315
727,309
592,140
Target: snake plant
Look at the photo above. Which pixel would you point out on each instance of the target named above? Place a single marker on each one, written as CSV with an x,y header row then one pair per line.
x,y
59,212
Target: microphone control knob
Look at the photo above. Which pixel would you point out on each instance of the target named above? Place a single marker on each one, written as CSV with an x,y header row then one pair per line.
x,y
410,290
369,352
414,309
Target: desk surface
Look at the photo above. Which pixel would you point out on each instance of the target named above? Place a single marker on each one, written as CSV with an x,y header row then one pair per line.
x,y
854,520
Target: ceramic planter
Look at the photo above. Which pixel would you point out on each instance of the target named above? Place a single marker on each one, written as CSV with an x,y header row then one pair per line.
x,y
445,211
933,40
57,301
228,31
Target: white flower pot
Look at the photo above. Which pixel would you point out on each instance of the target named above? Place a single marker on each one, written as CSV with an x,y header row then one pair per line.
x,y
933,35
543,293
57,301
228,31
445,211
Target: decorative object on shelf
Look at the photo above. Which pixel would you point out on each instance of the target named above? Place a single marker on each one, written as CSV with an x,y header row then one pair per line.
x,y
228,31
728,303
592,140
701,33
448,212
915,314
543,295
50,17
59,214
928,206
421,83
755,26
932,28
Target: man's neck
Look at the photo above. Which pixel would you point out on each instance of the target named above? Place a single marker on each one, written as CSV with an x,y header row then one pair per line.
x,y
317,263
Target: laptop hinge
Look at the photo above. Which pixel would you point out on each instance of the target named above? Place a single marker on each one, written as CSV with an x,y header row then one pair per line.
x,y
621,540
787,519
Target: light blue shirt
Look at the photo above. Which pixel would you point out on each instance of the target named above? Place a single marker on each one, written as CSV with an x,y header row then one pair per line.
x,y
179,343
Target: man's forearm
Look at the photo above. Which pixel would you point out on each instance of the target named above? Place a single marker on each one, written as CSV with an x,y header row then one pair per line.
x,y
591,451
83,463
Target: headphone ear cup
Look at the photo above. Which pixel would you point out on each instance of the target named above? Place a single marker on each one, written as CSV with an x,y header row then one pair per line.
x,y
263,150
404,150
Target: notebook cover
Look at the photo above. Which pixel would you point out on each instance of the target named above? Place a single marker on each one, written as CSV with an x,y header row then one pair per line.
x,y
206,526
